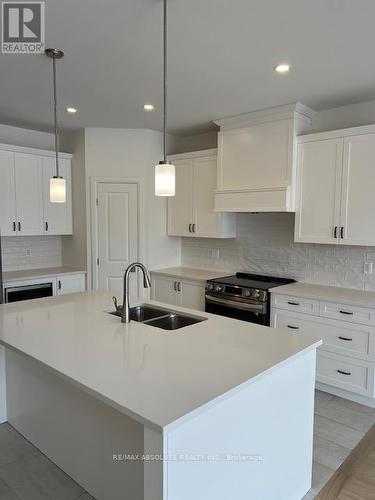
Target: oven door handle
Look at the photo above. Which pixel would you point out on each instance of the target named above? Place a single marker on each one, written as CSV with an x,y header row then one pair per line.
x,y
236,305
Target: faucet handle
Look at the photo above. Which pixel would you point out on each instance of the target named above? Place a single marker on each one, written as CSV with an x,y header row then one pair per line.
x,y
118,308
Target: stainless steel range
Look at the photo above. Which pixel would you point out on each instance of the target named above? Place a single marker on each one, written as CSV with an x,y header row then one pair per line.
x,y
242,296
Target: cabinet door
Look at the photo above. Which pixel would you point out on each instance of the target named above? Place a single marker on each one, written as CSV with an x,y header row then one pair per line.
x,y
180,206
318,191
57,216
163,289
29,195
204,184
358,199
70,283
7,194
192,295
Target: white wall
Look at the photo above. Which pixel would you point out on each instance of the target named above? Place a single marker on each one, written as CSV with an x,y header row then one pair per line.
x,y
353,115
133,153
197,142
33,138
74,247
265,245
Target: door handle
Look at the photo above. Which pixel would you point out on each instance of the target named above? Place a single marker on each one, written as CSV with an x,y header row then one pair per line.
x,y
14,226
19,226
335,232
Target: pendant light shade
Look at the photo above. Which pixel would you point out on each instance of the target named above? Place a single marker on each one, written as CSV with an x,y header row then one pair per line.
x,y
165,175
165,179
57,190
57,185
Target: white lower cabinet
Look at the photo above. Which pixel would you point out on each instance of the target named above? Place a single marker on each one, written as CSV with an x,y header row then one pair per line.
x,y
175,291
70,283
346,360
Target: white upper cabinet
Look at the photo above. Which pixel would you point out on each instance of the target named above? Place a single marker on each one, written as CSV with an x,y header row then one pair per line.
x,y
29,194
358,191
257,159
8,225
191,211
336,178
25,209
318,192
57,216
180,205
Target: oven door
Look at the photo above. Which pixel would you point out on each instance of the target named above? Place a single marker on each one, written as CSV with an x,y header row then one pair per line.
x,y
254,312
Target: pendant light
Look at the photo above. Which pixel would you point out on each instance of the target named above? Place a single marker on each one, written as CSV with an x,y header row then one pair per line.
x,y
165,176
57,185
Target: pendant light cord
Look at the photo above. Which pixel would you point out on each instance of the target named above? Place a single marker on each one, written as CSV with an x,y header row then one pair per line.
x,y
165,81
55,116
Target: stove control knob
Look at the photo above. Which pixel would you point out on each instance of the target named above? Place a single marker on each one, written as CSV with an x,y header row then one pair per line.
x,y
246,293
256,294
209,287
218,288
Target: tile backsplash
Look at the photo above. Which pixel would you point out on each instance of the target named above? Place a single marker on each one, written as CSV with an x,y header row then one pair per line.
x,y
265,245
31,252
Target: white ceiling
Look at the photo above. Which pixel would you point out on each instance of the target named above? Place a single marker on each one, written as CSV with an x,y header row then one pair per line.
x,y
222,54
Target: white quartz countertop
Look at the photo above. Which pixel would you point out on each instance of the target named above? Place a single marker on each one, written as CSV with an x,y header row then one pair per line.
x,y
191,273
330,293
156,376
40,273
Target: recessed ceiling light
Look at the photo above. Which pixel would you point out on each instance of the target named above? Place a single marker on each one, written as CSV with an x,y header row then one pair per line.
x,y
148,107
71,110
282,68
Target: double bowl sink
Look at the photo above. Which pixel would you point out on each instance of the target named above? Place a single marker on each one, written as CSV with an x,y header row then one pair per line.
x,y
159,317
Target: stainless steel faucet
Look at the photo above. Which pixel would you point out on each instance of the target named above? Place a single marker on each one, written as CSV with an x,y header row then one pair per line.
x,y
125,316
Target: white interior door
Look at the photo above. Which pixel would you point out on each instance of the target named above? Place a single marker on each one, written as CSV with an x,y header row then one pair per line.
x,y
7,194
29,196
57,216
319,188
116,234
358,200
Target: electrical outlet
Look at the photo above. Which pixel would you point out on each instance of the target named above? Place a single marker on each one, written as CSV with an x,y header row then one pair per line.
x,y
368,268
215,253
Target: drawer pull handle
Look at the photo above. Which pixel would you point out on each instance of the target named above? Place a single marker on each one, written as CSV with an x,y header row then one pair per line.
x,y
293,303
344,373
347,312
293,327
345,338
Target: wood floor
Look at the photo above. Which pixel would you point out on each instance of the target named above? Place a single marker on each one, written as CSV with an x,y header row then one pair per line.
x,y
355,479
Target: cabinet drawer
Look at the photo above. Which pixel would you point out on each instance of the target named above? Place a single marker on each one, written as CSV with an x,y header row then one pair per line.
x,y
345,312
345,373
342,338
289,303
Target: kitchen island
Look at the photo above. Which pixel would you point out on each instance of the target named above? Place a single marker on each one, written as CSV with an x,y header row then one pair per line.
x,y
216,410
